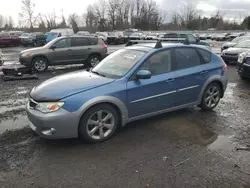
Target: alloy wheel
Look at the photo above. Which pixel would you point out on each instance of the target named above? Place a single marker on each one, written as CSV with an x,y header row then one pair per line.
x,y
212,96
40,65
94,61
100,124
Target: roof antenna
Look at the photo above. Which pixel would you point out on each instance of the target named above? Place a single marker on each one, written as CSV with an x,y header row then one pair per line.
x,y
129,43
158,44
186,42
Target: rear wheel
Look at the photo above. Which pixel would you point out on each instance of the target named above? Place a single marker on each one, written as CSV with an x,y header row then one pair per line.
x,y
211,96
92,61
98,124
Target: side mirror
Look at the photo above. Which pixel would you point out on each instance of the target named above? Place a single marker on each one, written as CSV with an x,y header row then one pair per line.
x,y
143,74
197,40
53,47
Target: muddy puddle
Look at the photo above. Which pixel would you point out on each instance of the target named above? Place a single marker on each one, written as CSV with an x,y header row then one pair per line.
x,y
16,122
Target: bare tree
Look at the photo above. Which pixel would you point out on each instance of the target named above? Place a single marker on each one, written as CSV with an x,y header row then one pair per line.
x,y
112,8
73,20
90,18
101,12
27,13
10,22
51,20
1,21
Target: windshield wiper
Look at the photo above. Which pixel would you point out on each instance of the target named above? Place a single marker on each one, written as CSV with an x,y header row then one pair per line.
x,y
100,74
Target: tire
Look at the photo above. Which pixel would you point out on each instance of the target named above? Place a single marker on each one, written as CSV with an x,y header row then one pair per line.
x,y
34,44
91,132
211,97
243,77
40,64
92,61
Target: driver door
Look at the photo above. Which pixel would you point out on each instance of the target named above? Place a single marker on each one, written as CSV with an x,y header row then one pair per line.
x,y
154,94
61,53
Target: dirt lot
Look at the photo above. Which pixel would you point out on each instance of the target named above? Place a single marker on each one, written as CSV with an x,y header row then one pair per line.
x,y
186,148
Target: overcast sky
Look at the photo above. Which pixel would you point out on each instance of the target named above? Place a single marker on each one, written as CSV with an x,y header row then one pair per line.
x,y
229,8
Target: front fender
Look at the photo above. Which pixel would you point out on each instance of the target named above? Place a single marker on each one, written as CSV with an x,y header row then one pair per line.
x,y
104,99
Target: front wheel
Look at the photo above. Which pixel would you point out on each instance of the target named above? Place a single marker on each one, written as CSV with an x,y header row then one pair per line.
x,y
98,124
40,64
211,96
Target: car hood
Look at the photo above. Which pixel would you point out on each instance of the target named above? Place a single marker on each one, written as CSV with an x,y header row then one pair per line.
x,y
236,50
33,49
229,44
66,85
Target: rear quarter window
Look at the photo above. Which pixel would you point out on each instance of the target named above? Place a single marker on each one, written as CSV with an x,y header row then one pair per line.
x,y
206,55
93,41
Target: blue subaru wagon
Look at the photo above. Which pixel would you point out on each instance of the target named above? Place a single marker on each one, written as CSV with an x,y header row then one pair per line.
x,y
135,82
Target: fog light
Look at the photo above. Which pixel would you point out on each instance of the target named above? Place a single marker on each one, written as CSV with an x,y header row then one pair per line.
x,y
48,131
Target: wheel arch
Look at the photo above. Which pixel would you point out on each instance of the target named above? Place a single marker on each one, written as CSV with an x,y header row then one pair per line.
x,y
42,56
214,79
119,106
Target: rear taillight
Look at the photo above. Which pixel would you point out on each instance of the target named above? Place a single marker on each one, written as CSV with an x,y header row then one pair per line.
x,y
104,46
225,67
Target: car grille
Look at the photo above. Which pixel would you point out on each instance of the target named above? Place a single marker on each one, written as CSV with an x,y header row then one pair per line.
x,y
231,54
32,103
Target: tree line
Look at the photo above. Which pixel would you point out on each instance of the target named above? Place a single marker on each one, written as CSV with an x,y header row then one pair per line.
x,y
108,15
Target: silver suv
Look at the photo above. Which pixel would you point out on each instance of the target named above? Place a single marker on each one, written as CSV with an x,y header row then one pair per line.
x,y
64,51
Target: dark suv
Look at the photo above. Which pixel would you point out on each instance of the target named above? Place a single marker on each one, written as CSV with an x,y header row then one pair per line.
x,y
64,51
34,39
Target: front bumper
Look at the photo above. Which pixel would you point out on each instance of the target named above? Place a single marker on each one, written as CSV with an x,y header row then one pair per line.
x,y
25,60
243,69
228,58
56,125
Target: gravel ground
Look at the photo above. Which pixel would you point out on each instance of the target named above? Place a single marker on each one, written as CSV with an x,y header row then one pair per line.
x,y
186,148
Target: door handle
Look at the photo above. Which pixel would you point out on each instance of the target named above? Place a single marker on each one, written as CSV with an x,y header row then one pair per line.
x,y
170,80
203,72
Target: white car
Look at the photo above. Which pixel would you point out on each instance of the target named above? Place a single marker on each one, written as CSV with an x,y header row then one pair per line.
x,y
83,33
102,35
136,36
152,36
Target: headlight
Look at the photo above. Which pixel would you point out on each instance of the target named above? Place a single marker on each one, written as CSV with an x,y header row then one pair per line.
x,y
26,54
47,107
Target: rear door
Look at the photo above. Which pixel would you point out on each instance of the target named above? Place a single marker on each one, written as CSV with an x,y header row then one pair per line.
x,y
61,54
81,48
191,73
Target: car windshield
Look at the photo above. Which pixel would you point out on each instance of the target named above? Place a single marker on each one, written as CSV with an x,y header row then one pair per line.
x,y
244,44
50,34
118,63
113,34
238,39
136,34
152,34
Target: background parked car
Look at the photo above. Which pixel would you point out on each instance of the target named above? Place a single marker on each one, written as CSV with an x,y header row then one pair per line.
x,y
222,36
1,57
34,39
7,40
102,35
152,36
116,37
54,33
63,51
203,36
231,54
243,65
180,37
136,36
234,42
83,33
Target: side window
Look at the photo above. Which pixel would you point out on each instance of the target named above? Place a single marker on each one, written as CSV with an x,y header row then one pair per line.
x,y
80,41
186,58
183,36
63,43
192,39
171,35
206,55
93,41
158,63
